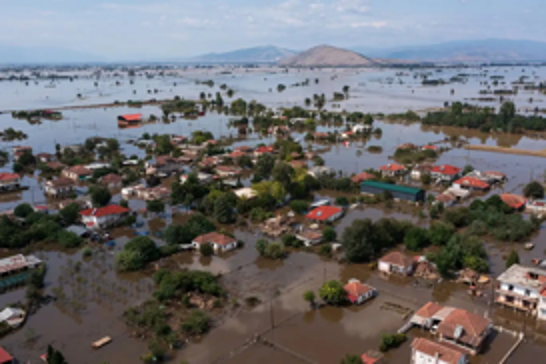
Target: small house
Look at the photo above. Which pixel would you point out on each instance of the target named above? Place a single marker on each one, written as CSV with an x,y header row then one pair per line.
x,y
424,351
396,263
56,166
203,178
45,157
446,199
77,173
362,128
129,120
263,150
104,217
12,316
309,237
219,242
9,181
364,176
325,214
163,166
430,147
60,187
112,181
421,170
75,148
318,171
445,173
357,292
471,183
392,170
516,202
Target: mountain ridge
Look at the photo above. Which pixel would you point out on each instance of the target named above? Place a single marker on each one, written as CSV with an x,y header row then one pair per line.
x,y
328,56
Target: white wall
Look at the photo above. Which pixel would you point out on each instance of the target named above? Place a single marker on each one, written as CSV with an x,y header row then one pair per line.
x,y
520,290
384,267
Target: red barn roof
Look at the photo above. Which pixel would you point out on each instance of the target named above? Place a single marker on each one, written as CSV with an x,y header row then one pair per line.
x,y
446,169
323,213
130,117
9,176
105,211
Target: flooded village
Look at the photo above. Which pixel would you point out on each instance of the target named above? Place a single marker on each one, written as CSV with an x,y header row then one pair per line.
x,y
237,214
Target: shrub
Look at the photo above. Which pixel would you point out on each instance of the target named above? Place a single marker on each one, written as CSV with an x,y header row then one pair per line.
x,y
391,341
206,249
197,324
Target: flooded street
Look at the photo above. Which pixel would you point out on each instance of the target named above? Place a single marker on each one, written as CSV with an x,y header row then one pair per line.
x,y
91,297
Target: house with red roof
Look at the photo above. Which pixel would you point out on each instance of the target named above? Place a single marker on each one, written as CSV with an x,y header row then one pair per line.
x,y
219,242
396,263
424,351
112,181
310,237
46,157
9,181
454,326
357,292
446,199
361,177
430,147
227,171
77,173
263,150
325,214
5,357
445,173
59,187
392,170
129,120
471,183
420,170
516,202
104,217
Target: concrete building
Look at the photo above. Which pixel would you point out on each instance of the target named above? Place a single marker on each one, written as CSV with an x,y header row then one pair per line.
x,y
9,182
59,187
358,292
112,181
524,289
104,217
396,263
220,243
425,351
445,173
17,264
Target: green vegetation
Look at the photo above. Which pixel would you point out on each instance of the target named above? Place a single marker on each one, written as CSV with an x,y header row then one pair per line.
x,y
100,196
329,234
299,206
534,190
174,285
413,156
136,254
391,341
55,356
196,225
351,359
206,250
332,292
512,259
270,250
309,297
465,115
197,324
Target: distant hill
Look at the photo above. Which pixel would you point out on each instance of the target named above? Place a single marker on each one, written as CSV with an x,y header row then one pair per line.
x,y
265,54
489,50
328,56
16,55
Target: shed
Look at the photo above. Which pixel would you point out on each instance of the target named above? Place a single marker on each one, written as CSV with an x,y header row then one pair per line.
x,y
400,192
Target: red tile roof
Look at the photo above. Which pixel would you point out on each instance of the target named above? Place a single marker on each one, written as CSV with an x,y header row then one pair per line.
x,y
445,198
429,310
111,178
215,238
237,154
356,289
5,357
55,165
473,326
514,201
432,349
60,182
80,170
472,182
323,213
446,169
429,147
269,149
9,176
131,117
398,259
364,176
392,167
243,148
366,359
105,211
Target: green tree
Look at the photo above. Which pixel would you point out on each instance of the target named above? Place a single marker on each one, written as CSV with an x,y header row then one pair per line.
x,y
206,250
155,206
416,239
391,341
357,241
100,196
23,210
264,166
332,292
351,359
283,173
197,324
136,254
298,206
512,259
534,190
70,213
508,111
467,169
196,225
309,297
224,209
329,234
68,239
54,356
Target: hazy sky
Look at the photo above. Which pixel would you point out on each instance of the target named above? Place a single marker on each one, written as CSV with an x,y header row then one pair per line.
x,y
129,29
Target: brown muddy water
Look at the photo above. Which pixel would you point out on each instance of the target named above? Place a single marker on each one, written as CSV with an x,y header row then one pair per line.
x,y
92,298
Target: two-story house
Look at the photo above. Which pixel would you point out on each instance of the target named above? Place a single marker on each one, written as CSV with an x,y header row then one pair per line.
x,y
424,351
524,289
103,217
60,187
9,181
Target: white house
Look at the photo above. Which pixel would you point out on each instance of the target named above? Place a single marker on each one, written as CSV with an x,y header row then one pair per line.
x,y
220,243
424,351
59,187
362,128
310,237
524,289
396,262
9,181
104,217
12,316
203,178
358,292
246,192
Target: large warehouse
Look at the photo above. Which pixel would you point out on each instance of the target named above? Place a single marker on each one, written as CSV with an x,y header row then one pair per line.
x,y
397,191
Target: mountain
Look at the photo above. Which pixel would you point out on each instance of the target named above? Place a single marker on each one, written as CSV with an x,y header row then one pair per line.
x,y
265,54
16,55
327,56
488,50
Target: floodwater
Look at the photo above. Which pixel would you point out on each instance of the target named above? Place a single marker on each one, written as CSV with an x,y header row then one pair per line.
x,y
92,298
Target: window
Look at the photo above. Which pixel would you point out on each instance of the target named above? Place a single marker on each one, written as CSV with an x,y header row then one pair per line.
x,y
510,287
527,292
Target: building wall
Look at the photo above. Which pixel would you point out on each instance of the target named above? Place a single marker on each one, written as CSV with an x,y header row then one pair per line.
x,y
384,267
520,290
422,358
224,248
541,309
